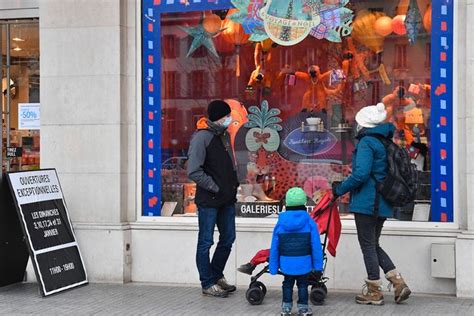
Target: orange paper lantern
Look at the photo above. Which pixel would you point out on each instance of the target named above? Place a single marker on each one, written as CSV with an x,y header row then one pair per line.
x,y
427,19
383,26
212,23
398,25
233,32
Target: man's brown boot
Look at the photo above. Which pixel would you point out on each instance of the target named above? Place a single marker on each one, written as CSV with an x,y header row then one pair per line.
x,y
371,293
402,292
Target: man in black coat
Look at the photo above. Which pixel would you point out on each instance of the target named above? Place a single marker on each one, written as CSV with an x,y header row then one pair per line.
x,y
211,165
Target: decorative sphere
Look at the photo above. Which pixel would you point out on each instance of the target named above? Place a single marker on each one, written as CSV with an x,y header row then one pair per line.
x,y
398,25
383,26
212,23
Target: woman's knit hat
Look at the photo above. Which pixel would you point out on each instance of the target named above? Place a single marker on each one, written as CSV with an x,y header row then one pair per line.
x,y
371,116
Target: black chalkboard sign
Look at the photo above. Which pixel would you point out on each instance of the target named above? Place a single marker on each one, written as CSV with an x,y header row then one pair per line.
x,y
13,252
49,234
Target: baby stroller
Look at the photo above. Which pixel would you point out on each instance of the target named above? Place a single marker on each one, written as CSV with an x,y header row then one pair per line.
x,y
327,209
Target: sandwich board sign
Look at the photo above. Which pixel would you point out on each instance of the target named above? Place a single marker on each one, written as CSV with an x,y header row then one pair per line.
x,y
48,230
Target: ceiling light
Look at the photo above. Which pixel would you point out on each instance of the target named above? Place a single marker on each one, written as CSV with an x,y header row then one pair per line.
x,y
17,39
17,49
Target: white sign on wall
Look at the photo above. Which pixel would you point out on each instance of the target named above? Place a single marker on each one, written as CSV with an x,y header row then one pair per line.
x,y
28,116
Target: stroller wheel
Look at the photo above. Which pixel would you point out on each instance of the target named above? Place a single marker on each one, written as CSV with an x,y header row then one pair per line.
x,y
261,286
321,286
324,287
317,296
255,295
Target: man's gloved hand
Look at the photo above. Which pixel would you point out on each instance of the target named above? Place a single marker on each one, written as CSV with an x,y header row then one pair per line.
x,y
335,184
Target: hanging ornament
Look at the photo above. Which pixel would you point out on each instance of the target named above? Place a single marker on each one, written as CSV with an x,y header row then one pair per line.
x,y
234,33
201,37
248,15
221,13
289,22
364,30
223,46
427,19
398,25
413,21
383,26
335,22
212,23
266,45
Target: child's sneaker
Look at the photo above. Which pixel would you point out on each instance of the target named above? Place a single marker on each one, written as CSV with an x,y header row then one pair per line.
x,y
304,310
286,309
246,268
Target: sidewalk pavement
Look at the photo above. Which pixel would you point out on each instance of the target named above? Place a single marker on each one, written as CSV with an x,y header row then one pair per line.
x,y
140,299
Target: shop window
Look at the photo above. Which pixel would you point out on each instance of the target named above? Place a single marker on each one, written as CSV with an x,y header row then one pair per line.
x,y
428,55
199,84
375,92
228,84
401,56
200,52
20,97
303,98
170,47
171,85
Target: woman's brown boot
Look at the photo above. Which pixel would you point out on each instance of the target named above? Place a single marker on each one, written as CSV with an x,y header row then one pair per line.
x,y
402,292
371,293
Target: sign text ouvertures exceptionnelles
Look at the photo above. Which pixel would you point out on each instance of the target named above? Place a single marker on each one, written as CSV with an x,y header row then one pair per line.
x,y
50,237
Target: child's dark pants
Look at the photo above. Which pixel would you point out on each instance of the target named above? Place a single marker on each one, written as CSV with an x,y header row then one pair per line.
x,y
302,284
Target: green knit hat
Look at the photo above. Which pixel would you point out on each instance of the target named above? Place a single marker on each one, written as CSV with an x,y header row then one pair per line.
x,y
295,197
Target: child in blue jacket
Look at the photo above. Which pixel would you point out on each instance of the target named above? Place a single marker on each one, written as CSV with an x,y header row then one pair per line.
x,y
296,251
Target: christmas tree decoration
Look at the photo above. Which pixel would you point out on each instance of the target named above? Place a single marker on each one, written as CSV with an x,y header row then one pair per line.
x,y
413,22
201,37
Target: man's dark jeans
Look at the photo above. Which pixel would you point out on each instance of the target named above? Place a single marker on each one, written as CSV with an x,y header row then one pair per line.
x,y
212,270
301,283
369,229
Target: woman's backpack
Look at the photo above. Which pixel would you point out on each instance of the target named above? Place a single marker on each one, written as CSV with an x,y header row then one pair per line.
x,y
400,185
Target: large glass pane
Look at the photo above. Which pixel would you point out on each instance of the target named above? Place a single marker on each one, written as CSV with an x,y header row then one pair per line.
x,y
24,93
316,86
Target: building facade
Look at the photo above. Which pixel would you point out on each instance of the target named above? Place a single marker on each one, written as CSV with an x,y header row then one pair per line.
x,y
122,84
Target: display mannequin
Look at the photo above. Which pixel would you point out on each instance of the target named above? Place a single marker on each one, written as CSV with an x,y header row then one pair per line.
x,y
316,94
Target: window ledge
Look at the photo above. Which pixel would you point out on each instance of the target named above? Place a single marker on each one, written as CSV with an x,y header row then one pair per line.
x,y
392,227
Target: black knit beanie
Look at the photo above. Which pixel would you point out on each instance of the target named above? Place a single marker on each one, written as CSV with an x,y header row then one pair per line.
x,y
217,109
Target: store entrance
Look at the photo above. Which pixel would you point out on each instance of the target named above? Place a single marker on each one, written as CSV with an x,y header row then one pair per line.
x,y
20,98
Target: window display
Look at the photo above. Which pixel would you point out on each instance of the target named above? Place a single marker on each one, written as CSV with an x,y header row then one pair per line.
x,y
295,73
